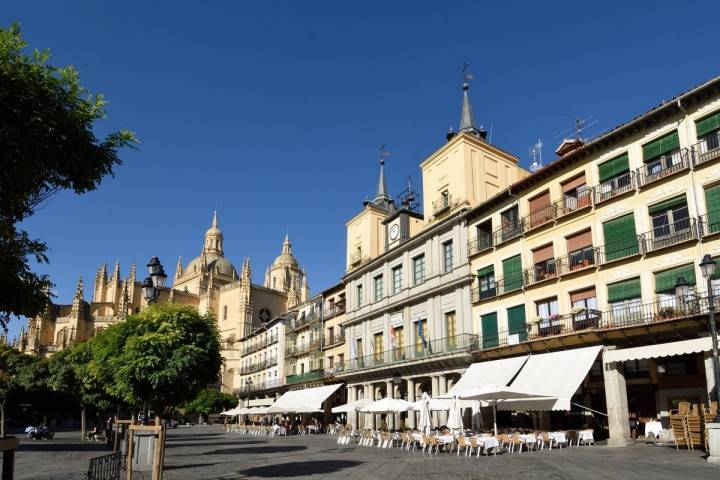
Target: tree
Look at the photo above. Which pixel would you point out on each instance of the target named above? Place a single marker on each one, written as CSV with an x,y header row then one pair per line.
x,y
18,371
210,401
161,357
48,145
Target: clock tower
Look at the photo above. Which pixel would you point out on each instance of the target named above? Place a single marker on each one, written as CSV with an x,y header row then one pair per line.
x,y
404,222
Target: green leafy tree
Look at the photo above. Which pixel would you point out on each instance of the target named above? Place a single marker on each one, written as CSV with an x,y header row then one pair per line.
x,y
48,145
161,357
18,372
210,401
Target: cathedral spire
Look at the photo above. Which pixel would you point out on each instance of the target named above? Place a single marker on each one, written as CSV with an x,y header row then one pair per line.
x,y
213,238
116,272
382,195
179,268
467,119
214,220
287,246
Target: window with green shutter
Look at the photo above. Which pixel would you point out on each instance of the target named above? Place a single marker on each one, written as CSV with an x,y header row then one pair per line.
x,y
489,330
620,238
671,204
512,273
661,146
712,208
614,168
708,124
516,322
665,281
625,290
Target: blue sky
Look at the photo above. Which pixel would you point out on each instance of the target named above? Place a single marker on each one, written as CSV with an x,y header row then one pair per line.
x,y
272,112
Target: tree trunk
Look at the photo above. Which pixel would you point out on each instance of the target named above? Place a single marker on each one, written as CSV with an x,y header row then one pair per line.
x,y
2,419
83,427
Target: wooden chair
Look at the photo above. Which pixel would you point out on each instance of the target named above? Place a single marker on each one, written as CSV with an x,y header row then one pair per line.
x,y
473,445
679,429
462,443
545,440
516,443
695,432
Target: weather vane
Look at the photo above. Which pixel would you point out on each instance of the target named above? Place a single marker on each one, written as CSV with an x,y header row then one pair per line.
x,y
466,75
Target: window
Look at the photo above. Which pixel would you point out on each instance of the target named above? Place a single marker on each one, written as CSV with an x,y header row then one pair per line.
x,y
421,336
509,224
331,336
358,347
540,210
548,308
378,347
544,264
486,280
398,342
625,300
359,296
708,134
378,287
661,154
712,208
584,308
517,326
512,273
419,269
620,238
489,326
451,329
548,317
483,239
615,177
445,198
668,303
447,248
397,279
680,365
341,358
670,221
576,194
581,253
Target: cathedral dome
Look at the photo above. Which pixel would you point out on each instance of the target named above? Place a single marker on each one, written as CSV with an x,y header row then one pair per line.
x,y
215,263
286,258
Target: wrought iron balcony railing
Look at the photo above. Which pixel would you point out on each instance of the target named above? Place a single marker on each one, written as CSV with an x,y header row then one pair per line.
x,y
249,387
668,235
305,377
357,258
299,349
258,345
499,286
445,202
332,340
480,244
664,166
546,270
569,204
259,366
618,250
707,149
507,232
709,223
334,310
577,260
615,187
540,217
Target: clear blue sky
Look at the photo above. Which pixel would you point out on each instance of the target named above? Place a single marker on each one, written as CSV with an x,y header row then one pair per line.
x,y
272,112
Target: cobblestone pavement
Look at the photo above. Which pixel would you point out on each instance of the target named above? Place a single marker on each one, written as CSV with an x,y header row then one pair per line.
x,y
209,453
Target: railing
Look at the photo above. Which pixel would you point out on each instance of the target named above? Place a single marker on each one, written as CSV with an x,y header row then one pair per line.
x,y
248,349
483,292
664,166
618,250
294,350
539,217
668,235
356,258
577,260
333,340
301,322
444,203
569,204
254,387
107,467
429,349
337,309
507,232
304,377
615,187
480,244
542,271
709,223
707,149
259,366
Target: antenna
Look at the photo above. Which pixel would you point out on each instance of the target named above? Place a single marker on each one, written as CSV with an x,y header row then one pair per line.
x,y
492,124
536,152
581,124
383,154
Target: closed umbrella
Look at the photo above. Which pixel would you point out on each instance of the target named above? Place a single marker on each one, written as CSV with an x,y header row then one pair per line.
x,y
477,420
455,422
425,416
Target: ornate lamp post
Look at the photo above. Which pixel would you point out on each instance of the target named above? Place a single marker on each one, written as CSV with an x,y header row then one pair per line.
x,y
153,284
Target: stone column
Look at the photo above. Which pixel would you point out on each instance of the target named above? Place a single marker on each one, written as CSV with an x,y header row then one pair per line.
x,y
390,394
369,418
617,404
435,391
709,376
442,388
411,398
352,416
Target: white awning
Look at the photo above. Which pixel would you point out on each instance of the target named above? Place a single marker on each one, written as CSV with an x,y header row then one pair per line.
x,y
305,400
556,374
493,372
260,402
669,349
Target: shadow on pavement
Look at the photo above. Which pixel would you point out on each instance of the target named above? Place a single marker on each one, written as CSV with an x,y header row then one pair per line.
x,y
259,450
300,469
189,465
63,447
184,436
212,444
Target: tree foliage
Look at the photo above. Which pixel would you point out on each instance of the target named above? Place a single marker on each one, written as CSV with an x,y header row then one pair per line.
x,y
210,401
18,373
48,145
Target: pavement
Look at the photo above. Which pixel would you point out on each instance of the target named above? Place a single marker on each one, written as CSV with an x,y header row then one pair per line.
x,y
207,452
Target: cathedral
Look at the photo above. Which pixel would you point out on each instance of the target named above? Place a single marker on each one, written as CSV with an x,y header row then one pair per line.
x,y
209,282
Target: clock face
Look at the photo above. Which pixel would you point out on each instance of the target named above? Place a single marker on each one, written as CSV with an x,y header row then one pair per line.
x,y
394,231
264,315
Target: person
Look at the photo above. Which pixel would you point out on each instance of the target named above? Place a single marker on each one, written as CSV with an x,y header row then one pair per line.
x,y
92,434
108,430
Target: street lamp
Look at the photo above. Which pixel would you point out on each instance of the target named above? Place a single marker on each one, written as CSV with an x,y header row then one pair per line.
x,y
152,285
707,267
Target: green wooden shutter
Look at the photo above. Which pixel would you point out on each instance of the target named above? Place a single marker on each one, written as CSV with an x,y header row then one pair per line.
x,y
620,238
489,270
613,168
708,124
716,275
489,330
665,281
712,208
512,273
668,204
516,322
624,290
665,144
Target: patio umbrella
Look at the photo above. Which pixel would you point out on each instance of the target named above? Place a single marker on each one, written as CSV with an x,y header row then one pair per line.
x,y
352,406
493,393
387,405
425,416
440,404
455,422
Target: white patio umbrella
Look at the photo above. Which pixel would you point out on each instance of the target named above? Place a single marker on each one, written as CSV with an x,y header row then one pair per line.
x,y
455,422
306,409
425,416
495,393
352,406
387,405
440,404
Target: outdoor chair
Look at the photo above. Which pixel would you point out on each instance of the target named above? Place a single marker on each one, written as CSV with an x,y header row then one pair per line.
x,y
516,442
425,442
572,436
545,439
462,443
695,430
473,445
679,429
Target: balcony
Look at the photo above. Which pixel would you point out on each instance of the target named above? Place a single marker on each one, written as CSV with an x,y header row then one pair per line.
x,y
356,258
614,251
445,203
577,261
663,167
250,387
259,366
570,204
709,223
331,341
707,149
615,187
507,232
499,286
333,310
541,272
248,349
483,292
305,377
302,322
671,234
426,350
539,217
300,349
480,244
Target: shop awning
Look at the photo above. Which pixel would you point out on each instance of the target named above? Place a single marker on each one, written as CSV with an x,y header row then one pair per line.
x,y
493,372
658,350
556,374
260,402
303,401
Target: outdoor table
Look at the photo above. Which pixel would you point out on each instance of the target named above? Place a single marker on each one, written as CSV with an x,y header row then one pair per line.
x,y
585,436
417,437
487,441
557,437
653,428
313,428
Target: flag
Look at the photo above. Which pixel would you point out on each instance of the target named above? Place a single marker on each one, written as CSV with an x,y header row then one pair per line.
x,y
393,340
421,334
353,353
